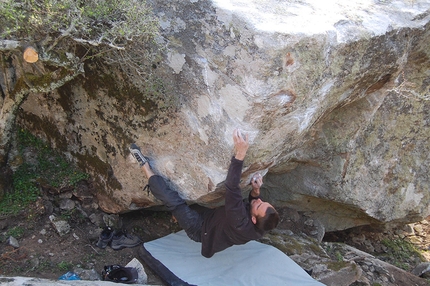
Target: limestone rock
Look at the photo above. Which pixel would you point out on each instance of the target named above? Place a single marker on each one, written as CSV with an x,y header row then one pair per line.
x,y
142,276
67,204
61,226
422,270
337,264
334,98
12,241
88,274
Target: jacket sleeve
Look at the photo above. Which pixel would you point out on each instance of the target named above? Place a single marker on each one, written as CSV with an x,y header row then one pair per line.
x,y
235,208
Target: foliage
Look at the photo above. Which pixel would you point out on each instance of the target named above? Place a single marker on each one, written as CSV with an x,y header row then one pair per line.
x,y
400,250
119,32
96,22
64,266
339,256
16,232
73,216
41,167
50,166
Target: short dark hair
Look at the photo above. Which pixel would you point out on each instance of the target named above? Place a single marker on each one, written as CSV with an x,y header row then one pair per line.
x,y
269,221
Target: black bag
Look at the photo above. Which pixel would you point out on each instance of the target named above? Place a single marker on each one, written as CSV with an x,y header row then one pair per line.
x,y
119,274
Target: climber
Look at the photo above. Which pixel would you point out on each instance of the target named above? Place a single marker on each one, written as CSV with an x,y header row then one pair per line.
x,y
237,222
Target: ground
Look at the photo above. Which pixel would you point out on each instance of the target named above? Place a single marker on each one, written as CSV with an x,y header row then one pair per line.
x,y
404,246
42,252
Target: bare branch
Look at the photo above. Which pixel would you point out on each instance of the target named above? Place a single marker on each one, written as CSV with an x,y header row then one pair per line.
x,y
64,34
8,45
97,43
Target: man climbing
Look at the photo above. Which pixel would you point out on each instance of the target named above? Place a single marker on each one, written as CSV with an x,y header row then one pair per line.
x,y
237,222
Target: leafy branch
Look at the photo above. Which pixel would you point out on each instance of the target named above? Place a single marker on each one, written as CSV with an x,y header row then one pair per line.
x,y
104,24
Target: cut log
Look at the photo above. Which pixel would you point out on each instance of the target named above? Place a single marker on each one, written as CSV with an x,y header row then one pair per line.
x,y
30,55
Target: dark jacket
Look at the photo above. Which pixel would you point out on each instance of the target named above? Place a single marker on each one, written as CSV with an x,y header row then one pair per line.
x,y
231,224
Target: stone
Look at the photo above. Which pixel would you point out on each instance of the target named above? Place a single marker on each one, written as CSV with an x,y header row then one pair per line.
x,y
309,222
358,238
49,208
61,226
93,235
416,239
67,204
96,219
418,229
82,212
87,274
422,270
379,247
112,220
409,230
66,195
346,275
333,98
368,246
12,241
142,276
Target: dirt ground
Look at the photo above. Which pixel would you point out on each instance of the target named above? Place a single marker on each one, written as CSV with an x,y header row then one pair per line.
x,y
43,253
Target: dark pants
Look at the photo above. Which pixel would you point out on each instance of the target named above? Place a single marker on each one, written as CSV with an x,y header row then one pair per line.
x,y
190,220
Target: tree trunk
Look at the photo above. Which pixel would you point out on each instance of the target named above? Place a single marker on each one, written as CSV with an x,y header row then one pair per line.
x,y
30,78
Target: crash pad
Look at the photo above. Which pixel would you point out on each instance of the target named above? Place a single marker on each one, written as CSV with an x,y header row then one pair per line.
x,y
178,258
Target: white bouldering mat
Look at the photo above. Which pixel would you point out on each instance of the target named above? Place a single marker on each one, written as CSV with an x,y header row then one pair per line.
x,y
253,263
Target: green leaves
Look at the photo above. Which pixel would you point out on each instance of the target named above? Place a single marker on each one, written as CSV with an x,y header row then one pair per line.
x,y
12,17
94,22
401,249
41,168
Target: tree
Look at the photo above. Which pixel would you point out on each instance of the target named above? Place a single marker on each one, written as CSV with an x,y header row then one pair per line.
x,y
59,36
45,43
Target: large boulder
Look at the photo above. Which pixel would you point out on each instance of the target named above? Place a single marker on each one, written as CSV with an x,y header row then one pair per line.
x,y
334,98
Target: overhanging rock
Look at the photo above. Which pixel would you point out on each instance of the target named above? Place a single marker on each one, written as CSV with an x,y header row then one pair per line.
x,y
333,95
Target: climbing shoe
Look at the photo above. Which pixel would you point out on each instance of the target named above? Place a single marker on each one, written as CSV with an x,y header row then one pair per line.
x,y
105,237
122,239
135,151
117,273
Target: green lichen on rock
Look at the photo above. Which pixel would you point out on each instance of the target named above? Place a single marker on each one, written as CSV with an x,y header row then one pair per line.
x,y
294,244
288,246
95,165
337,265
129,98
48,128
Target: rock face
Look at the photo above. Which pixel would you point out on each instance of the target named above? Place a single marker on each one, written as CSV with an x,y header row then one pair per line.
x,y
338,264
334,97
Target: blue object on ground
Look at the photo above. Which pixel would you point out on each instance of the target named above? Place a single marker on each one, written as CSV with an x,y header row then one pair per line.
x,y
70,276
